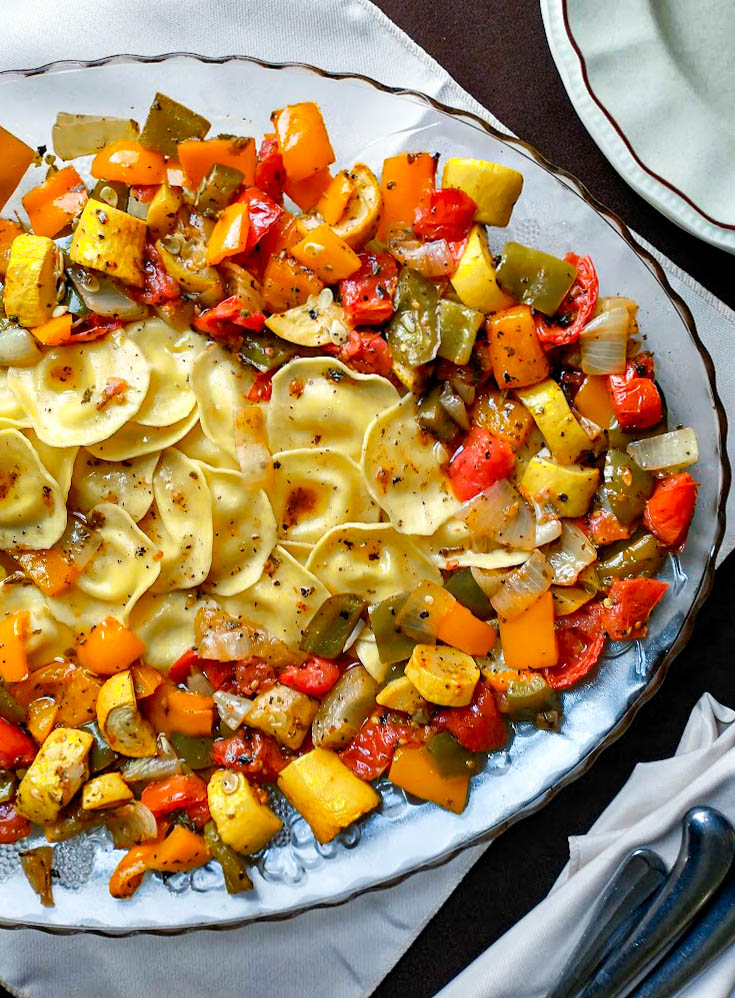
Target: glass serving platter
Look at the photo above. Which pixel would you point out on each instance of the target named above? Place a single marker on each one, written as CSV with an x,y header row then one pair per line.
x,y
368,122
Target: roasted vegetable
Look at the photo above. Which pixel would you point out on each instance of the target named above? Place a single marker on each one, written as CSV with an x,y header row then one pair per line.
x,y
400,694
343,710
627,487
475,280
442,675
458,326
217,189
243,822
534,277
568,488
413,332
283,713
15,157
169,123
233,868
55,775
562,432
84,134
493,187
415,770
120,721
102,792
393,645
328,630
110,240
36,864
30,281
641,555
529,640
516,354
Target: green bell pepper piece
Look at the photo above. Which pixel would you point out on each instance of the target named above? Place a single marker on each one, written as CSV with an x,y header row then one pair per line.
x,y
393,645
328,630
535,278
101,755
112,192
7,785
413,332
233,865
626,486
463,587
10,709
265,351
458,327
169,123
433,418
641,555
195,752
217,189
451,759
526,698
72,821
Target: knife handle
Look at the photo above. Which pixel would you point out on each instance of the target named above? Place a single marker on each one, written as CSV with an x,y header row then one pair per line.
x,y
707,850
710,936
623,902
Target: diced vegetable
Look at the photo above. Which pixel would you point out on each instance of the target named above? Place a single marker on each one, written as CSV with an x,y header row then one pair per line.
x,y
593,401
415,770
30,281
110,240
670,509
642,555
628,605
56,202
180,851
461,629
562,432
627,486
482,460
109,790
580,639
493,187
233,867
198,158
174,793
14,631
287,283
16,748
217,189
13,826
433,417
393,644
230,235
400,694
120,722
170,709
443,675
327,632
303,140
169,123
162,211
100,755
42,714
636,401
475,280
604,342
130,825
55,775
108,648
576,309
499,514
413,333
458,326
523,695
307,193
444,214
15,157
284,713
104,295
433,259
343,710
326,254
10,709
570,554
331,205
528,639
128,162
421,615
8,231
328,795
503,416
404,179
316,323
568,488
36,864
84,134
535,278
522,587
359,220
668,452
478,727
569,599
462,586
516,354
367,295
449,757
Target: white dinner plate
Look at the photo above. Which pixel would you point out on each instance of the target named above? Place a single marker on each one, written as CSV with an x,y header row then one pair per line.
x,y
654,84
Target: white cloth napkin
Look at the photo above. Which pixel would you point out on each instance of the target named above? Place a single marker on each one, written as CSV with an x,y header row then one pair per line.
x,y
344,952
647,811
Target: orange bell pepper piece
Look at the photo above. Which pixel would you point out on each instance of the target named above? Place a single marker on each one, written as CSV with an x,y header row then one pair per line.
x,y
53,204
197,158
15,158
287,283
517,356
41,717
529,641
593,400
129,872
462,629
13,635
303,140
405,178
327,254
55,332
307,193
109,647
331,205
74,690
413,770
170,709
8,231
180,851
49,570
146,680
130,163
230,234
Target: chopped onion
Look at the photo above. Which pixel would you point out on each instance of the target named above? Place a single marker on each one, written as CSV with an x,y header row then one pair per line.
x,y
197,682
522,587
570,554
610,302
604,341
131,824
79,543
355,634
151,767
84,134
227,639
548,525
251,447
432,259
488,579
103,295
454,406
502,515
231,708
677,449
17,347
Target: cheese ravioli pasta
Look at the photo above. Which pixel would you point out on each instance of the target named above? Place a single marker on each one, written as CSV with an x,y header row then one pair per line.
x,y
127,483
32,504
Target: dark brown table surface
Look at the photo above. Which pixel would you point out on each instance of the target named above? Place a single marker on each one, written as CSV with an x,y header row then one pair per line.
x,y
496,49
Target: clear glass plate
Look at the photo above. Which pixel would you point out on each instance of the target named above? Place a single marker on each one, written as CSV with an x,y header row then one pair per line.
x,y
368,122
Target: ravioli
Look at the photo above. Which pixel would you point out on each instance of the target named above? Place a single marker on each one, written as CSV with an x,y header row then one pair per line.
x,y
47,638
403,471
135,440
318,402
32,504
372,560
10,407
127,483
165,622
283,600
58,461
68,394
170,355
180,522
316,489
123,568
221,386
197,445
244,530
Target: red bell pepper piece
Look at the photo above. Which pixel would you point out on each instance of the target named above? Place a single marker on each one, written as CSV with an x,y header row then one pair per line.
x,y
580,639
270,175
253,676
446,213
635,397
670,509
219,674
628,606
367,295
577,308
263,212
262,388
372,749
257,755
366,352
315,677
13,826
482,459
144,192
479,727
159,287
173,794
16,747
228,319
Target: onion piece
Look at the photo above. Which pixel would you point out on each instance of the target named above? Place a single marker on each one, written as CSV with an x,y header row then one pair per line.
x,y
604,341
606,304
548,525
231,708
84,134
454,406
79,543
489,580
501,515
677,449
227,639
103,294
131,824
17,347
522,587
432,259
570,554
197,682
251,447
